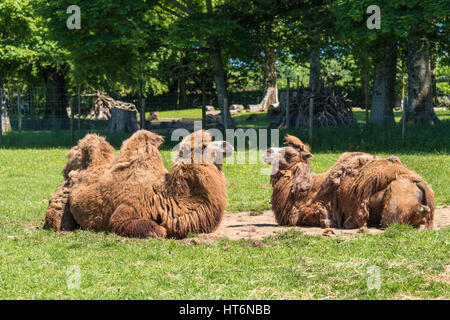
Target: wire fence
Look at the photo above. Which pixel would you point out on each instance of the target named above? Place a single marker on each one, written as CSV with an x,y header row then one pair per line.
x,y
49,108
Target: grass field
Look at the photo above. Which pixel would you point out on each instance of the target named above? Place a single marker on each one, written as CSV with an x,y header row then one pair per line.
x,y
39,264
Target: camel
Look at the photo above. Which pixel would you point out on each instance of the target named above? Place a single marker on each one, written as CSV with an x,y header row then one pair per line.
x,y
92,153
382,192
360,189
295,187
136,197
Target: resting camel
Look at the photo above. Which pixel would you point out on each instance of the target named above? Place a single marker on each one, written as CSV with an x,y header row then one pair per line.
x,y
379,192
136,197
359,190
295,187
92,153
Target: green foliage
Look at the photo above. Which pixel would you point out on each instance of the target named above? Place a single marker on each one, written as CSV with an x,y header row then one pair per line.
x,y
25,50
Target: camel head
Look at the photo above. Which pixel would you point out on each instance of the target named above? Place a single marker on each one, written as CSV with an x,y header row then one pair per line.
x,y
199,148
294,151
408,202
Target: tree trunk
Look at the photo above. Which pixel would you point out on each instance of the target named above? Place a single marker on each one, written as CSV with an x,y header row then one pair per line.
x,y
219,73
122,121
56,100
383,93
270,80
219,79
314,63
420,93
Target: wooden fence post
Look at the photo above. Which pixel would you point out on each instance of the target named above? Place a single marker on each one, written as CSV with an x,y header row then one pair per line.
x,y
1,115
19,114
72,116
225,115
79,109
287,102
143,113
311,120
203,103
404,124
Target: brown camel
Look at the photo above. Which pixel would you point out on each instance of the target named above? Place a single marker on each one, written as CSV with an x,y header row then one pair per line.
x,y
295,187
366,190
359,189
92,153
136,197
383,192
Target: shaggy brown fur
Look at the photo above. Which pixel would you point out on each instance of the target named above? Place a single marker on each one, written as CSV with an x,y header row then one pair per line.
x,y
359,189
390,192
92,152
368,190
135,197
347,166
295,187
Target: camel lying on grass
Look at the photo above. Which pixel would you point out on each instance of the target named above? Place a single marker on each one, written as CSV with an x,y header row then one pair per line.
x,y
135,196
92,153
295,187
380,192
358,190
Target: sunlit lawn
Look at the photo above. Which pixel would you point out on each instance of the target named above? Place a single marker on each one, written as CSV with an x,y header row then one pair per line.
x,y
37,264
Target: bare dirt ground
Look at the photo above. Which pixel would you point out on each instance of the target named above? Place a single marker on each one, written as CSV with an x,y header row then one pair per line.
x,y
256,226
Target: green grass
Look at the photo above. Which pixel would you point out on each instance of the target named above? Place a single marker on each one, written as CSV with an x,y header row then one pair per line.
x,y
35,262
185,113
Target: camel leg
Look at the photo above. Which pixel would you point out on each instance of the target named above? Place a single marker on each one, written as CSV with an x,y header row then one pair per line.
x,y
125,223
58,215
362,215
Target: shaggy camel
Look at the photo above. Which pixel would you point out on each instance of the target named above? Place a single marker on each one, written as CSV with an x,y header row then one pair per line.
x,y
380,192
359,189
295,187
136,197
92,153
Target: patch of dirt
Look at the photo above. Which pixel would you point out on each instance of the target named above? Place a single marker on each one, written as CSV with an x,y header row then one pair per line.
x,y
250,225
441,217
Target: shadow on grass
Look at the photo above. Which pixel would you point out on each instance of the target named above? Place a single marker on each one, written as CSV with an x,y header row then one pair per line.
x,y
358,137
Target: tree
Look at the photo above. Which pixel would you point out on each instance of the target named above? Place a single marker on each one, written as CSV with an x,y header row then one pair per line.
x,y
28,55
383,93
16,39
414,23
262,40
196,26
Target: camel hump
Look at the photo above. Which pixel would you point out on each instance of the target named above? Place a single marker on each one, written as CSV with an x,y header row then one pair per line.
x,y
348,164
91,151
377,175
142,141
296,143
